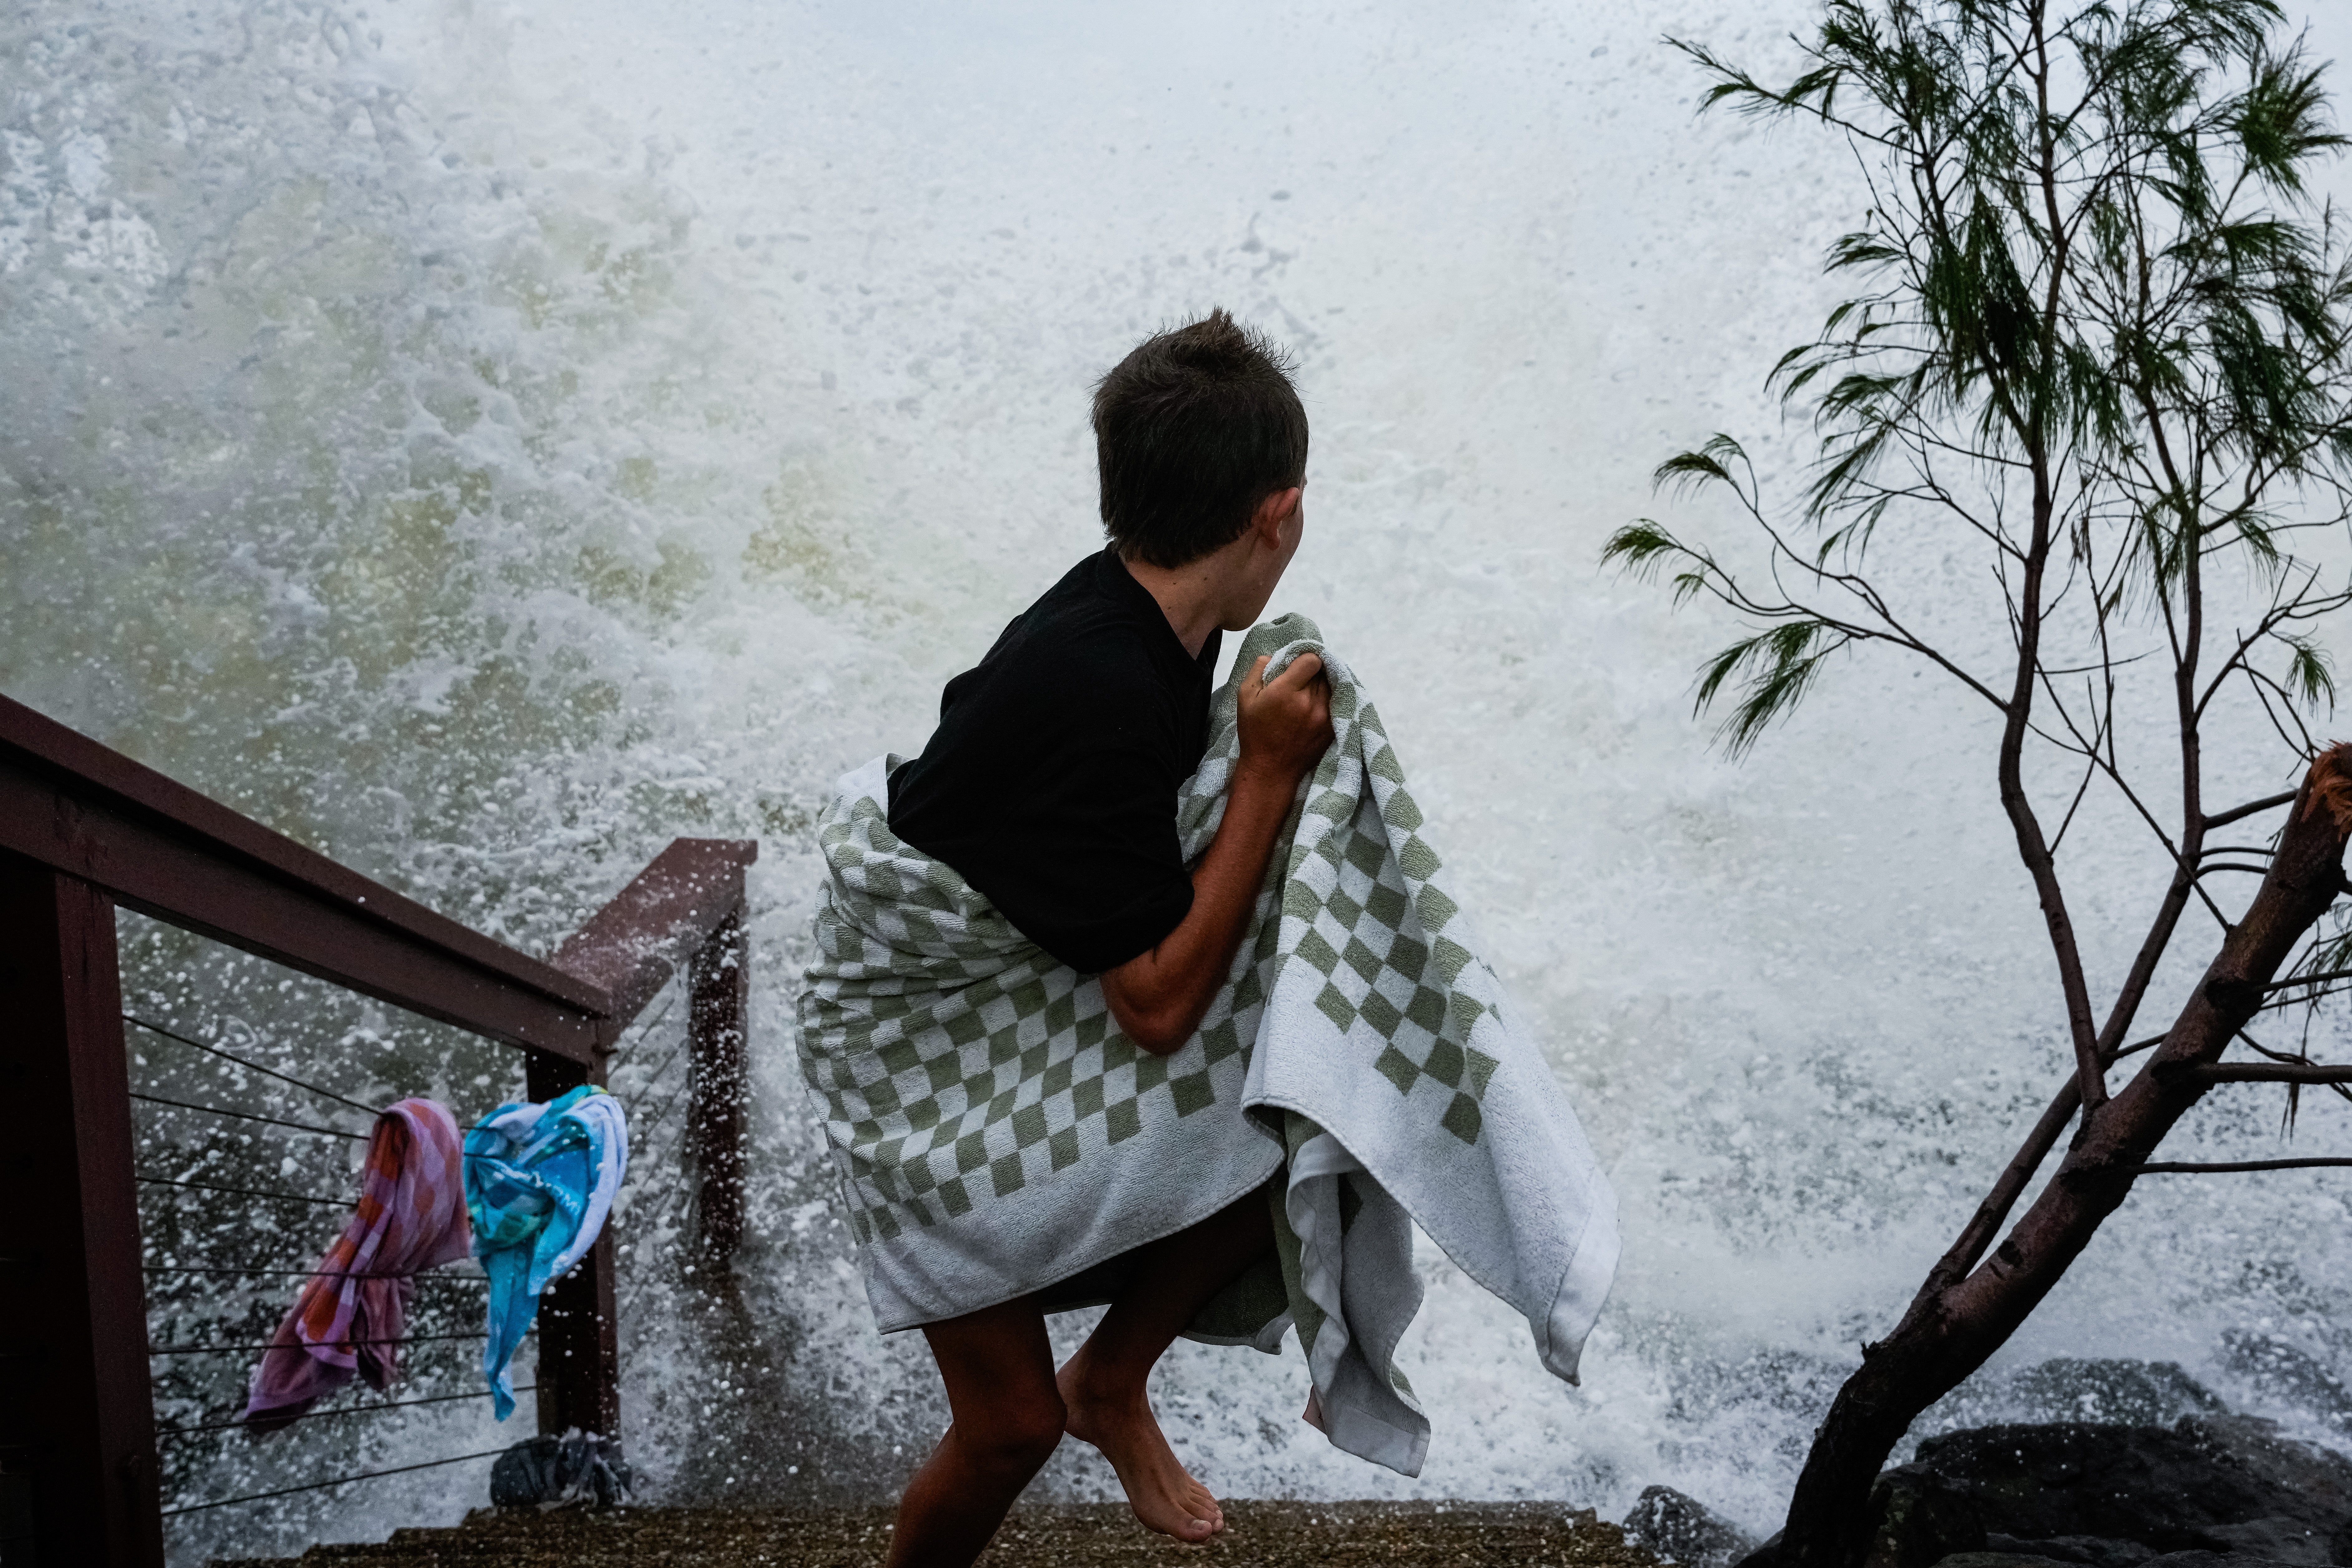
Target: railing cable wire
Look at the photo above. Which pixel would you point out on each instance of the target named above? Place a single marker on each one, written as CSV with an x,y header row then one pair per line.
x,y
257,1067
637,1290
645,1089
240,1192
163,1431
658,1117
426,1274
249,1116
621,1053
339,1344
338,1481
671,1210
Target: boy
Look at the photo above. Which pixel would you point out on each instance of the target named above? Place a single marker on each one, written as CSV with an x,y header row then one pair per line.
x,y
1051,788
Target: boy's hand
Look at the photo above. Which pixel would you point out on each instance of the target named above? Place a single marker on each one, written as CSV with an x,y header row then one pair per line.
x,y
1159,997
1286,722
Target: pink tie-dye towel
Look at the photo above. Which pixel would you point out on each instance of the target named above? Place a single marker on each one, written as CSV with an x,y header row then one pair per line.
x,y
352,1313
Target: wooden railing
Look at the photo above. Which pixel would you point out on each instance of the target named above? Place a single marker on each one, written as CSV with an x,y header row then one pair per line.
x,y
84,830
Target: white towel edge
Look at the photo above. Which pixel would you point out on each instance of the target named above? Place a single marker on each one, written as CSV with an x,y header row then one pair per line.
x,y
1355,1430
1583,1290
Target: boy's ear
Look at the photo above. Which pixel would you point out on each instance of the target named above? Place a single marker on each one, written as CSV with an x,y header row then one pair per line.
x,y
1274,511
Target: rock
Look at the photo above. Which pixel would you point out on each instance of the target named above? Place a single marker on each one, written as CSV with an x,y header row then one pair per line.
x,y
2281,1540
1918,1519
2165,1488
2284,1372
2089,1551
2116,1392
1682,1530
579,1468
2006,1559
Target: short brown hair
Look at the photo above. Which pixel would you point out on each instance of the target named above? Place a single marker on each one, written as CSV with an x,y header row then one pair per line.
x,y
1193,429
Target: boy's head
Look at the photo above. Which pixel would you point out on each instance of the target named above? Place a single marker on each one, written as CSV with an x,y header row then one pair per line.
x,y
1192,430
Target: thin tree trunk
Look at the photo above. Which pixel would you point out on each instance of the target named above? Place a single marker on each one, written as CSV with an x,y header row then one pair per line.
x,y
1949,1332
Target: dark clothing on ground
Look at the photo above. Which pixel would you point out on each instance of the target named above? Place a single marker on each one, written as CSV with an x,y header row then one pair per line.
x,y
1051,782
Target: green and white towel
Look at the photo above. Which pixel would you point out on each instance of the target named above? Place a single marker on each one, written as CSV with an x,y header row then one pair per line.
x,y
996,1134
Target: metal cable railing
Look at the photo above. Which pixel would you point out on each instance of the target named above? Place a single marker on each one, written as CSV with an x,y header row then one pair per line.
x,y
88,833
246,1116
627,1053
339,1344
645,1130
331,1413
622,1053
368,1111
145,1180
671,1213
424,1276
322,1485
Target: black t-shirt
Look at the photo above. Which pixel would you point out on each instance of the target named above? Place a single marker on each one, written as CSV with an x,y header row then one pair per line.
x,y
1051,781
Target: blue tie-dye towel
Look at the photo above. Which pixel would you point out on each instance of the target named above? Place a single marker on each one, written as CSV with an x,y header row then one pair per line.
x,y
540,1180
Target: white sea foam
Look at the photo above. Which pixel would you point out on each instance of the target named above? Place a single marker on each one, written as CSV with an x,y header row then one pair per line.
x,y
489,440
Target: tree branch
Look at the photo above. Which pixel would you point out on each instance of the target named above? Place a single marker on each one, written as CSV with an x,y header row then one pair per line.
x,y
2268,802
2184,1167
2268,1072
2309,979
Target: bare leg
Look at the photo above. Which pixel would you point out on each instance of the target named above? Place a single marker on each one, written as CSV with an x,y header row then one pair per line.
x,y
999,1368
1103,1384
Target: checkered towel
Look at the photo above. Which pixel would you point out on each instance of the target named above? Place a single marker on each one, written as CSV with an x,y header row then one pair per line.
x,y
996,1134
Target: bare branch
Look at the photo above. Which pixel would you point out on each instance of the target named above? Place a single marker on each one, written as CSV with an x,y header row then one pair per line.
x,y
2309,979
2269,1072
2267,803
2217,1167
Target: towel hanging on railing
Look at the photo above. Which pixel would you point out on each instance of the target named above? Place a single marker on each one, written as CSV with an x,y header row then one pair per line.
x,y
540,1180
351,1314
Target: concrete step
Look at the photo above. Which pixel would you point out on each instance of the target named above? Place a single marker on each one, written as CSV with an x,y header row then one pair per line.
x,y
1258,1535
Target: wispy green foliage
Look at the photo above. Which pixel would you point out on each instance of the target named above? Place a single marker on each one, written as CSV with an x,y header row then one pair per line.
x,y
1773,671
2310,673
2098,328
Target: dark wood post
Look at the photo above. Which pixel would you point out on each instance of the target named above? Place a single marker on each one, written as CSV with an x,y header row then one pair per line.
x,y
692,892
719,979
579,1322
78,1414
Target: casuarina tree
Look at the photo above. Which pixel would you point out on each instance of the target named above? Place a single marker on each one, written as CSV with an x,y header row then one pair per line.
x,y
2098,347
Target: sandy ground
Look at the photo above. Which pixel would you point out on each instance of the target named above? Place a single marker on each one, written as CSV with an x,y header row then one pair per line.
x,y
1259,1535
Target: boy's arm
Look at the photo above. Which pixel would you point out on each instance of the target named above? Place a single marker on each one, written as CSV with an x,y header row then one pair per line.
x,y
1159,997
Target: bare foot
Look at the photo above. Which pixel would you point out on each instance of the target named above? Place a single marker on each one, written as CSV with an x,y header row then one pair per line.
x,y
1120,1422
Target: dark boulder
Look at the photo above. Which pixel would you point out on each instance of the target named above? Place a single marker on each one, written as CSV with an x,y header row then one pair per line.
x,y
2284,1372
1682,1530
2089,1552
2209,1483
2210,1492
1919,1517
2112,1392
1998,1559
1916,1519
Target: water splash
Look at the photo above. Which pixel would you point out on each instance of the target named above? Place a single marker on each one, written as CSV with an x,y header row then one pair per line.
x,y
486,462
